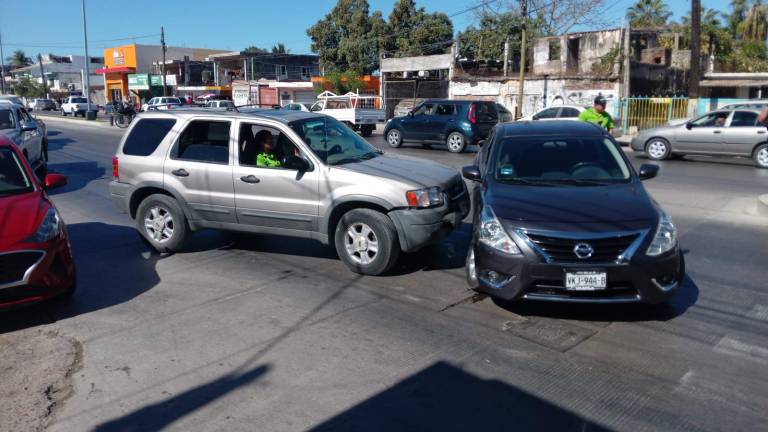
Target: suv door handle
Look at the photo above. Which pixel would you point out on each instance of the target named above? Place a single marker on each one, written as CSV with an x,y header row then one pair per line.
x,y
250,179
761,131
181,172
717,131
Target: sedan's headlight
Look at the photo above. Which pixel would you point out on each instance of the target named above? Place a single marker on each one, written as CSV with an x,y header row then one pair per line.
x,y
424,198
666,236
48,228
493,234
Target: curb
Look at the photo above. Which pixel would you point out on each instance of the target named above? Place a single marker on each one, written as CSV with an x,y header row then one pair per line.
x,y
762,205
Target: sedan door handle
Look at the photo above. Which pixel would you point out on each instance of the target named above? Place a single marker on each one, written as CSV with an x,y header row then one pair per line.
x,y
250,179
761,132
717,131
181,172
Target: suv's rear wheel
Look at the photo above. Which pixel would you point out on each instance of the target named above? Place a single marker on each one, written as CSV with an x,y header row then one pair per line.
x,y
366,241
761,156
394,138
161,221
456,142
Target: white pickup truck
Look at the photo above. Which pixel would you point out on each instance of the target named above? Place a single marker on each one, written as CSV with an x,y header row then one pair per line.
x,y
74,105
360,112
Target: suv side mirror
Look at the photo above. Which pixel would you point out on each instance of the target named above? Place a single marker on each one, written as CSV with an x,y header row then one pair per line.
x,y
28,126
471,172
296,163
53,181
689,125
648,171
535,117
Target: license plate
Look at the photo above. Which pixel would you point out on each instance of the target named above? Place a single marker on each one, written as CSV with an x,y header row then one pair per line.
x,y
586,280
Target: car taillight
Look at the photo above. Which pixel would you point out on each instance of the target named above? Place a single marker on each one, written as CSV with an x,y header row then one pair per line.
x,y
471,116
115,170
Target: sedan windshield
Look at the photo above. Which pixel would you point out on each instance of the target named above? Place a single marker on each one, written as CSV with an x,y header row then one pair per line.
x,y
13,177
333,142
546,161
6,120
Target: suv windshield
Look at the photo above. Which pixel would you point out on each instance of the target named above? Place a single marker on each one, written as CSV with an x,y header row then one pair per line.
x,y
333,142
559,160
6,120
13,177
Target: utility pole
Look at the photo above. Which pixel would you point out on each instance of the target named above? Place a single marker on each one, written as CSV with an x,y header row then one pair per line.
x,y
87,72
521,83
162,43
695,72
2,66
506,57
42,74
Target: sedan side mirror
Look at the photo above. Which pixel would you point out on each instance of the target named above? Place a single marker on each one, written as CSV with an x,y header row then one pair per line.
x,y
28,127
53,181
648,171
296,163
471,172
535,117
410,113
689,125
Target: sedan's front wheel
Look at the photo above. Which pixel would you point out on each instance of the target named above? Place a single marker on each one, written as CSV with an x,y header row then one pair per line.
x,y
761,156
657,149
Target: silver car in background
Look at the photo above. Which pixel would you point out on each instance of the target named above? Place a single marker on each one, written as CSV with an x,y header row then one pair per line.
x,y
718,133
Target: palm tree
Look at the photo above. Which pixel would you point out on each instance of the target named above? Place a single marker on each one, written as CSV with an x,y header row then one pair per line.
x,y
738,13
709,18
280,49
754,27
19,59
648,13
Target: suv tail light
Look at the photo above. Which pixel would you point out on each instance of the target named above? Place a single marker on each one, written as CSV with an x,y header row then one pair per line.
x,y
115,169
471,115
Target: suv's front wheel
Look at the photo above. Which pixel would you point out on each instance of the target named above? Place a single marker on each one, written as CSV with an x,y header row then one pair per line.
x,y
456,142
161,221
394,138
366,241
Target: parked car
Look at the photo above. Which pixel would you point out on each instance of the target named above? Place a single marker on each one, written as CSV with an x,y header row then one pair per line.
x,y
75,105
406,105
359,112
173,174
757,104
557,112
227,104
161,103
504,114
456,123
12,99
561,215
42,105
35,256
718,133
296,106
26,132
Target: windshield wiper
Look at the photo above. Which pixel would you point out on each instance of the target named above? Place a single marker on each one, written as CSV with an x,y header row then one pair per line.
x,y
347,160
526,182
583,182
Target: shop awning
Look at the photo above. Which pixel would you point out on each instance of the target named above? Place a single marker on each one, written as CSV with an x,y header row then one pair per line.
x,y
122,69
733,83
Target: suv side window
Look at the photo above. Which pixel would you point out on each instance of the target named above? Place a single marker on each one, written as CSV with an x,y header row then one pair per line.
x,y
446,110
251,142
744,119
146,136
425,109
204,141
24,116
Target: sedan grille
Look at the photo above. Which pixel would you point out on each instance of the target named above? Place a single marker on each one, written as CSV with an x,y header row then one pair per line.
x,y
14,265
563,249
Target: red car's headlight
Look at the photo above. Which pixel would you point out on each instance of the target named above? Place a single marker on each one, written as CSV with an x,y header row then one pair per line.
x,y
49,227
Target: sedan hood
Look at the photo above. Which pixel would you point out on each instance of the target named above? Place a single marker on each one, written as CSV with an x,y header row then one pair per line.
x,y
19,217
418,172
603,208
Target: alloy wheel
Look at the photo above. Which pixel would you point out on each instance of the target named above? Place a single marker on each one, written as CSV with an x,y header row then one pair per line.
x,y
393,138
657,149
455,143
361,243
158,224
762,157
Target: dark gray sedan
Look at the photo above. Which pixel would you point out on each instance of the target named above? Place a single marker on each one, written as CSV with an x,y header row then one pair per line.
x,y
718,133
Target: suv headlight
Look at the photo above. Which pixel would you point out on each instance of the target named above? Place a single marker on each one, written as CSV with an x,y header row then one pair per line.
x,y
493,234
49,227
424,198
666,236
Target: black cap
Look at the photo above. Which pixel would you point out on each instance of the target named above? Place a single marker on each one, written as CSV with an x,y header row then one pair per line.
x,y
600,100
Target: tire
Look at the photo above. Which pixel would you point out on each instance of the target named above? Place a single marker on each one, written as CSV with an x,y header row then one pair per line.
x,y
760,156
122,121
456,142
657,149
63,113
357,231
394,138
366,130
156,208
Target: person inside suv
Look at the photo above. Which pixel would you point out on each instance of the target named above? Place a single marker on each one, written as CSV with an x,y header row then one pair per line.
x,y
266,143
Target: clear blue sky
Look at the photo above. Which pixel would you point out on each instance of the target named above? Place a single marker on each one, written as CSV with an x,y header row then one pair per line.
x,y
56,26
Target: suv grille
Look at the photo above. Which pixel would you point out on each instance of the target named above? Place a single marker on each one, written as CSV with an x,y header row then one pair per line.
x,y
561,249
14,265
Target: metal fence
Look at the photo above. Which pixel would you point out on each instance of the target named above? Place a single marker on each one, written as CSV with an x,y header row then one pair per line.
x,y
649,112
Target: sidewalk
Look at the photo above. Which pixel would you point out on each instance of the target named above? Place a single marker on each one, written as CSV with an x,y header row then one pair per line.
x,y
101,120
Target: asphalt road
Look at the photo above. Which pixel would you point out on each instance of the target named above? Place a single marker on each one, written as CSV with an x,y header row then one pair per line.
x,y
252,332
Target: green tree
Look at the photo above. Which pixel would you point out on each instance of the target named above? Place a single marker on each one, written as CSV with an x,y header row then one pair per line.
x,y
738,13
280,49
253,49
487,40
26,87
754,27
412,31
19,59
648,13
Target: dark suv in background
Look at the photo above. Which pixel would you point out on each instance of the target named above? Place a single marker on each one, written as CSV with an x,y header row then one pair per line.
x,y
455,123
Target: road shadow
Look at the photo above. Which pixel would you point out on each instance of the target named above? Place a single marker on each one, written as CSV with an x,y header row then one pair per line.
x,y
53,132
58,143
449,253
113,266
161,414
444,398
687,296
79,175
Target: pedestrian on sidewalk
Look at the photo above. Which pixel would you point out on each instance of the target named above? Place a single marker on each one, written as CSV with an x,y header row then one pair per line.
x,y
597,115
762,119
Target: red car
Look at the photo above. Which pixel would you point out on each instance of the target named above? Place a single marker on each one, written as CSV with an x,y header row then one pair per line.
x,y
35,256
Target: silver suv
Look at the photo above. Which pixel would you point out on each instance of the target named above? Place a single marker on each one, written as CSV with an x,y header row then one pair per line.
x,y
281,172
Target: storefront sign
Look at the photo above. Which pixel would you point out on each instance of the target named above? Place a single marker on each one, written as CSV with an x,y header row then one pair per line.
x,y
118,57
170,80
240,96
156,80
138,82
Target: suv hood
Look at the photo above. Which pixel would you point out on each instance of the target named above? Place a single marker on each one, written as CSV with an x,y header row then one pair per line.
x,y
418,172
603,208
